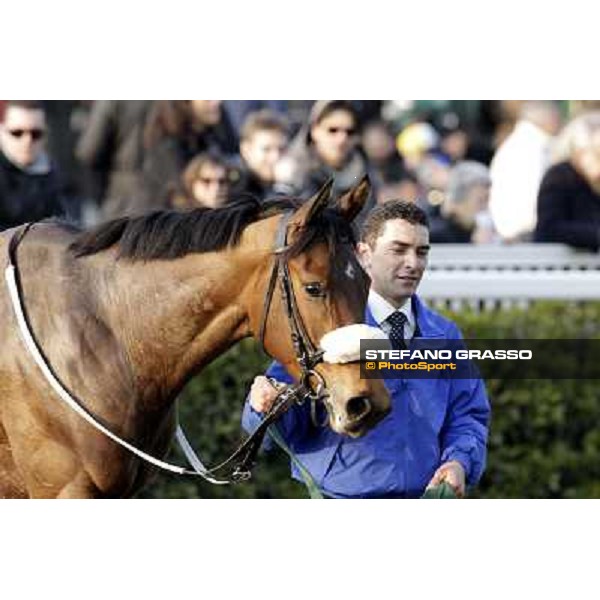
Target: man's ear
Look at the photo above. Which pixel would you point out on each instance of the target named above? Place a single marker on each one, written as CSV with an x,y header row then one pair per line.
x,y
352,202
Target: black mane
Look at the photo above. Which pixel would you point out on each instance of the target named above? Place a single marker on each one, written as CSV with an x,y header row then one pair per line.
x,y
168,234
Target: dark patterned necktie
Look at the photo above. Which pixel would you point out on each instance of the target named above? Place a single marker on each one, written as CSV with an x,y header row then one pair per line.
x,y
397,320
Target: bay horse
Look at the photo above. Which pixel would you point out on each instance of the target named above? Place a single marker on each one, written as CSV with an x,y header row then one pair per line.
x,y
126,313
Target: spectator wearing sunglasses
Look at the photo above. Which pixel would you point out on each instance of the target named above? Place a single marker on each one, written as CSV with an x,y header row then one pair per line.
x,y
29,185
328,145
206,182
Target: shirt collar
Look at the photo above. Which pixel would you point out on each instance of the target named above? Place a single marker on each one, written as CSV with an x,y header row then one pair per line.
x,y
381,309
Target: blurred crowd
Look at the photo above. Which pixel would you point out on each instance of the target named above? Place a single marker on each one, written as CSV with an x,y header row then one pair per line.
x,y
486,172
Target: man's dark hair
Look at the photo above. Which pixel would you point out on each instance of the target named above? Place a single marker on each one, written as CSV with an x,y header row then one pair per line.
x,y
393,209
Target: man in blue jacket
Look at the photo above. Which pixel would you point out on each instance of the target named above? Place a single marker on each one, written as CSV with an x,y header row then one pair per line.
x,y
437,429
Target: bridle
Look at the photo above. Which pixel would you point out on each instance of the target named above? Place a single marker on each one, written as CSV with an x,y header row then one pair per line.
x,y
307,354
311,386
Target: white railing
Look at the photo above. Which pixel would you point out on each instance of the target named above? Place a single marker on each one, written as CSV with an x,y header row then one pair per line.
x,y
486,277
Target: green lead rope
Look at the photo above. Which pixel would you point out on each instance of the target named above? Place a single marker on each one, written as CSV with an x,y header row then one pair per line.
x,y
313,489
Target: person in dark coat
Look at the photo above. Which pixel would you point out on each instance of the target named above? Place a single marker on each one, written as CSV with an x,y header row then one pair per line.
x,y
327,146
569,197
176,131
29,185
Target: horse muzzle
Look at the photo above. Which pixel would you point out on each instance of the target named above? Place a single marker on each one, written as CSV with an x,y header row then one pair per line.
x,y
357,416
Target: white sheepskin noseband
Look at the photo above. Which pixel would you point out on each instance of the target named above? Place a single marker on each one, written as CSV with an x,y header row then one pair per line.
x,y
342,345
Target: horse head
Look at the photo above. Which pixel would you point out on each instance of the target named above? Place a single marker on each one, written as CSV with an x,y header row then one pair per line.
x,y
312,326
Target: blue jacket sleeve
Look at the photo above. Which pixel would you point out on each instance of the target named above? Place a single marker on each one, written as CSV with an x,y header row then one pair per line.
x,y
465,431
292,424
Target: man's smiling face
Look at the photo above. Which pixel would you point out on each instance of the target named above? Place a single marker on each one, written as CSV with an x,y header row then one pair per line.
x,y
396,260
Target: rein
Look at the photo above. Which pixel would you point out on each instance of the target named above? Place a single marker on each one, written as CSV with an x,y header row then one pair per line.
x,y
306,353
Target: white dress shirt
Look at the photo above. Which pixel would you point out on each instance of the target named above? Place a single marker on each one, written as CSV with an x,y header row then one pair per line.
x,y
381,309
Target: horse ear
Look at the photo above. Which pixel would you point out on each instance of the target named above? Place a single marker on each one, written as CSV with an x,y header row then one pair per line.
x,y
352,202
314,205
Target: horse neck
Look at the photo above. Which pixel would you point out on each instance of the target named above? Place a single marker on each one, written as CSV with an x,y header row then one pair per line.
x,y
174,317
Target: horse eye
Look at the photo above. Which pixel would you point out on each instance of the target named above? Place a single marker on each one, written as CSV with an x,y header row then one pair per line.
x,y
315,289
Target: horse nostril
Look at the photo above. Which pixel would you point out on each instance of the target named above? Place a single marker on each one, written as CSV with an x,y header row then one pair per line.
x,y
358,407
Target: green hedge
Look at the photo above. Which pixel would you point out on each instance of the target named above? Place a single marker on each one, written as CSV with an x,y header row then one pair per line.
x,y
544,440
545,434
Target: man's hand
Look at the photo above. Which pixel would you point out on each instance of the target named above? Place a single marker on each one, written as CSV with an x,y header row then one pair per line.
x,y
262,394
453,474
